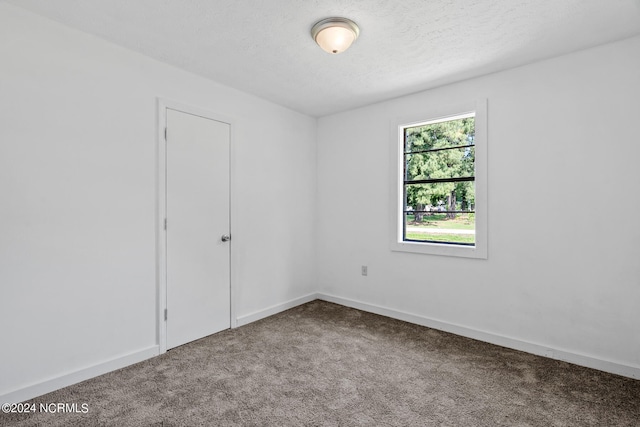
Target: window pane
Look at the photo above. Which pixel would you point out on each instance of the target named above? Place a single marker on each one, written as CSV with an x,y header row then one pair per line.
x,y
441,212
453,163
440,135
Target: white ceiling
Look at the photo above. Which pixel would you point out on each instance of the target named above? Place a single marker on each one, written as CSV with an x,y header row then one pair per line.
x,y
263,46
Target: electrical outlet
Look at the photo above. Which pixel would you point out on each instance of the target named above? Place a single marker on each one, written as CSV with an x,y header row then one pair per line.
x,y
364,270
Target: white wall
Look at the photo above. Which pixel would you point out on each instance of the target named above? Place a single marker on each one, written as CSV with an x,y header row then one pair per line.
x,y
563,271
78,194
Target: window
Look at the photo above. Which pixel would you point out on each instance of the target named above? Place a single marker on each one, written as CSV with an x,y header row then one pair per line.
x,y
439,196
438,188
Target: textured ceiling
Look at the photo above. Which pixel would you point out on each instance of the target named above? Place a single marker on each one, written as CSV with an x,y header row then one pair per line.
x,y
264,47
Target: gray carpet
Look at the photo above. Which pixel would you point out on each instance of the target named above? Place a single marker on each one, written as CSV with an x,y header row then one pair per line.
x,y
322,364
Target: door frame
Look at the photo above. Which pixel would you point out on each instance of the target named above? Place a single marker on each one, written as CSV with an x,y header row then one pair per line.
x,y
161,211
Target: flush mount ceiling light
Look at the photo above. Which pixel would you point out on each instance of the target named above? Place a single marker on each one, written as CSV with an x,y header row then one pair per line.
x,y
335,35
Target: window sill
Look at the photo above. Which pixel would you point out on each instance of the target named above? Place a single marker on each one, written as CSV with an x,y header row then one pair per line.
x,y
440,249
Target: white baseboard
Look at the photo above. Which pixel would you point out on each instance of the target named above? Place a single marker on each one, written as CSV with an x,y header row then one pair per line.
x,y
52,384
513,343
275,309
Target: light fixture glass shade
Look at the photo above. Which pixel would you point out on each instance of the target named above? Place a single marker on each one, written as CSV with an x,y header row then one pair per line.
x,y
335,35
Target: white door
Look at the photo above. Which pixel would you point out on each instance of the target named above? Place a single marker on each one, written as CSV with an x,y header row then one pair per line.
x,y
198,260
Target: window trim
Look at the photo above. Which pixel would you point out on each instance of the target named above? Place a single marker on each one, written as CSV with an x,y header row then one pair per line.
x,y
430,115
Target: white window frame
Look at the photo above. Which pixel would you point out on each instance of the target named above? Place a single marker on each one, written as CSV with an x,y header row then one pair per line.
x,y
440,113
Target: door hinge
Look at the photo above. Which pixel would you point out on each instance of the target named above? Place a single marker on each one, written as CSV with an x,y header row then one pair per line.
x,y
165,223
165,314
165,133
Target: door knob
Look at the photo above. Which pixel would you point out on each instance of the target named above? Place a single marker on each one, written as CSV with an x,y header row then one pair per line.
x,y
225,238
